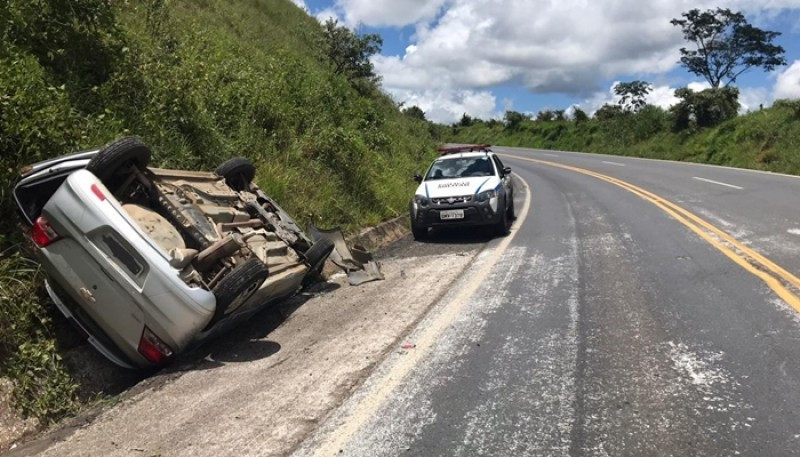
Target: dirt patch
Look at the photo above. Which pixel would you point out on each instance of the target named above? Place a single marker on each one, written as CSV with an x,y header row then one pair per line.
x,y
12,427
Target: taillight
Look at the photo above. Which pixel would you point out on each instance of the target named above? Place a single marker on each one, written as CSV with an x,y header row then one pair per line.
x,y
153,349
97,192
44,233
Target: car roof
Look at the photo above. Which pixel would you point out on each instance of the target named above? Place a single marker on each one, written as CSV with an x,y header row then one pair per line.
x,y
464,155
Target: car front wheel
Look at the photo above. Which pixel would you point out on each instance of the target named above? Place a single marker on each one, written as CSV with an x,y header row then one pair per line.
x,y
503,225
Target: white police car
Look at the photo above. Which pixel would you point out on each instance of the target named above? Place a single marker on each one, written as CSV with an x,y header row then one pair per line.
x,y
466,186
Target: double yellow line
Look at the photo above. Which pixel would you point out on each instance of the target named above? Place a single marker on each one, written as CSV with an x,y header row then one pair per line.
x,y
773,275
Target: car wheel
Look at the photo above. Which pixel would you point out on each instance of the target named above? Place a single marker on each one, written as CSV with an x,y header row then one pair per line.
x,y
316,255
420,233
503,225
237,286
512,213
238,173
116,158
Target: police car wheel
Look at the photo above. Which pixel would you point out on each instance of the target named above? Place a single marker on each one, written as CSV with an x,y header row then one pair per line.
x,y
503,225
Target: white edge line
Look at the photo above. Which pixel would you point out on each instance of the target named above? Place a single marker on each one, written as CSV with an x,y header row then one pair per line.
x,y
718,183
614,163
424,345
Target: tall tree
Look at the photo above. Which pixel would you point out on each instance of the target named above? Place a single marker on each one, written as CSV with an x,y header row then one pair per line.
x,y
726,45
633,95
349,52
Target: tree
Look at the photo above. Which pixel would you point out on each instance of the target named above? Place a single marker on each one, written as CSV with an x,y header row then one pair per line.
x,y
514,119
706,108
633,95
579,115
415,112
608,111
466,120
545,116
348,52
727,45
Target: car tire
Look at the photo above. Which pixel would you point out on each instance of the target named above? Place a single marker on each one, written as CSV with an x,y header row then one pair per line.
x,y
420,233
315,255
115,157
504,224
512,213
237,286
238,173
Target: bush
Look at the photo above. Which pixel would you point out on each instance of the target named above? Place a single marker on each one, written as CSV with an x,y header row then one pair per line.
x,y
706,108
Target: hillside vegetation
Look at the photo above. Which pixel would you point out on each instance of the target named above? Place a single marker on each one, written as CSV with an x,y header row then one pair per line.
x,y
768,139
200,81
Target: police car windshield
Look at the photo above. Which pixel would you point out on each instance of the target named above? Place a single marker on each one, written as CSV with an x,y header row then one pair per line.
x,y
460,167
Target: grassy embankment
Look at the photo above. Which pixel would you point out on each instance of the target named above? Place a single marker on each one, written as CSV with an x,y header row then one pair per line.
x,y
200,81
768,139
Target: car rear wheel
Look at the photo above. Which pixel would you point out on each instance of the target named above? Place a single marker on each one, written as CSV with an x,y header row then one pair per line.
x,y
238,173
237,286
116,158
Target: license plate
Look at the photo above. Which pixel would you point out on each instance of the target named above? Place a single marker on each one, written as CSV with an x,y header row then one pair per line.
x,y
452,214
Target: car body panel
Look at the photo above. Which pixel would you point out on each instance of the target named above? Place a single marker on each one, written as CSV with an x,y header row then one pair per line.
x,y
158,298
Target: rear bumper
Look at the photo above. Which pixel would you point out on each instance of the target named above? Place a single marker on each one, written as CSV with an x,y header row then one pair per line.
x,y
96,337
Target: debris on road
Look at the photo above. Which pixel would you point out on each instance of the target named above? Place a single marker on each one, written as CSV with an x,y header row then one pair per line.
x,y
357,261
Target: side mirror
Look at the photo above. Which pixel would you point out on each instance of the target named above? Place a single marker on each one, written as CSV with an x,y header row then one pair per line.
x,y
507,170
418,178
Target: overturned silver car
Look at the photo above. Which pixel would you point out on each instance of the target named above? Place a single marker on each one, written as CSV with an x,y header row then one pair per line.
x,y
148,262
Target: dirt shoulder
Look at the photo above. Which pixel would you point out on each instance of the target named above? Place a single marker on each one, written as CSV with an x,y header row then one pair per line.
x,y
263,389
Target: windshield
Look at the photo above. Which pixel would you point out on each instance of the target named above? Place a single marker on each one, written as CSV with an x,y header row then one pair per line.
x,y
460,167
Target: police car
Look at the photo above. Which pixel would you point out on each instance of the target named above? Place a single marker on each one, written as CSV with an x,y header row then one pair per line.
x,y
466,186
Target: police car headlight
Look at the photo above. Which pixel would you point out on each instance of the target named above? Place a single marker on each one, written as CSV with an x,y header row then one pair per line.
x,y
422,200
486,195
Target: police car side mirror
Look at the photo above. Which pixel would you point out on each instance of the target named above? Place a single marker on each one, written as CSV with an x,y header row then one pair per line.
x,y
507,170
418,178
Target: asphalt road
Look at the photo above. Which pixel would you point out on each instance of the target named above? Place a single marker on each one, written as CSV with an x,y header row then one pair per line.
x,y
629,313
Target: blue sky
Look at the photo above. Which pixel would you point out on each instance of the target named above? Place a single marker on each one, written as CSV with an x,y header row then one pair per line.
x,y
482,57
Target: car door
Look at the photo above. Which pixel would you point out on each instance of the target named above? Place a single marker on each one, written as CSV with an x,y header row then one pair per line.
x,y
505,178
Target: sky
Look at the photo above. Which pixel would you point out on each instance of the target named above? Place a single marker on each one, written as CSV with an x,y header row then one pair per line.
x,y
484,57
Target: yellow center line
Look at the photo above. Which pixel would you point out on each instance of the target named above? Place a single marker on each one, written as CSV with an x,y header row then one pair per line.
x,y
772,274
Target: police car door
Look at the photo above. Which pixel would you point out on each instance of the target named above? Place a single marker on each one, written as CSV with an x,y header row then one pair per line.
x,y
505,178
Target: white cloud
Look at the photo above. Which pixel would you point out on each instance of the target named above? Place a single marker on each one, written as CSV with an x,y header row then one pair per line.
x,y
382,13
301,4
753,98
447,106
328,13
568,47
463,48
787,85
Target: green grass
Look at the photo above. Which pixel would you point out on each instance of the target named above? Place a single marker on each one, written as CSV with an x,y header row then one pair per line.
x,y
767,140
200,81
